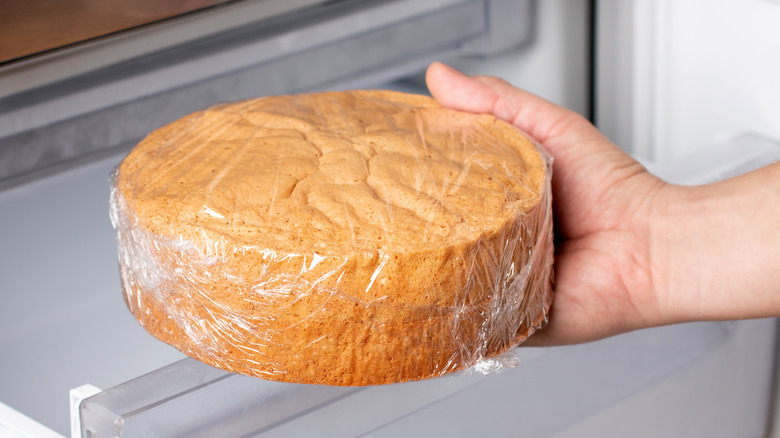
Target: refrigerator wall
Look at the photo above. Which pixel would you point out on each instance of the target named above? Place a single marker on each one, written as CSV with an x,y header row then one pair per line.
x,y
676,76
555,64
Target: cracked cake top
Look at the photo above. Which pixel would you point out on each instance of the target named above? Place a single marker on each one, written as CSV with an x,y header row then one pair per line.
x,y
331,172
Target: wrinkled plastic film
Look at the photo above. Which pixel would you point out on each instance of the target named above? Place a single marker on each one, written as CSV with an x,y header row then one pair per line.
x,y
353,311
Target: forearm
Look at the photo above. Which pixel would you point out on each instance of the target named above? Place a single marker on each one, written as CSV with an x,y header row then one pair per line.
x,y
716,249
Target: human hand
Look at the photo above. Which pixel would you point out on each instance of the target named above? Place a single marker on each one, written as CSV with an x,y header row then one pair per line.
x,y
604,202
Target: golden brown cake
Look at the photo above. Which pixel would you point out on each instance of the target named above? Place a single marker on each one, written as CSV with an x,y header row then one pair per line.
x,y
343,238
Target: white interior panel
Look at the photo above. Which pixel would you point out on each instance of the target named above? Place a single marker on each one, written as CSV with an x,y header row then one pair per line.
x,y
676,76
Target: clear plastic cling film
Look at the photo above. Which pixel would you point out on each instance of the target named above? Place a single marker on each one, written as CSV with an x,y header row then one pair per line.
x,y
342,238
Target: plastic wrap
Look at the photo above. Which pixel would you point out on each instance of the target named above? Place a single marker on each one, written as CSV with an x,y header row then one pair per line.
x,y
349,238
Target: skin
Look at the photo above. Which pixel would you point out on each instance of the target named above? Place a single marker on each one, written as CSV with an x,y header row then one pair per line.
x,y
634,251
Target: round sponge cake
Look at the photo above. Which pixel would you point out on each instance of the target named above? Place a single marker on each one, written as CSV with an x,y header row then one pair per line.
x,y
341,238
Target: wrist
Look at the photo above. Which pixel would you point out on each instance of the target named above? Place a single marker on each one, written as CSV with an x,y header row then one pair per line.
x,y
671,229
716,251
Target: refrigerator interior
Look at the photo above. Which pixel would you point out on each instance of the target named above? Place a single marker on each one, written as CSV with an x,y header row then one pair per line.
x,y
64,323
705,377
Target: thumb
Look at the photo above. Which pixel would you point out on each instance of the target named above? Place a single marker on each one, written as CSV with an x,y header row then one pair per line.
x,y
586,164
560,130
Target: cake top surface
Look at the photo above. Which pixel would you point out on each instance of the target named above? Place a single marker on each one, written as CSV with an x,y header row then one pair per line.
x,y
332,172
